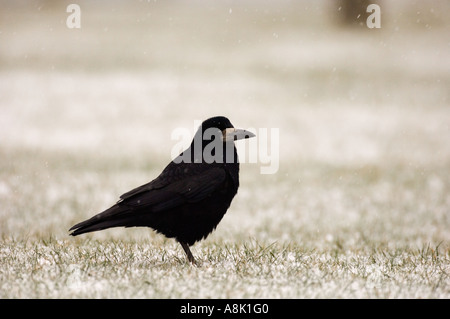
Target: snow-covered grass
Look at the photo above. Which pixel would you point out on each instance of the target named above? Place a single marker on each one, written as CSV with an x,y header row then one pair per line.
x,y
140,269
359,207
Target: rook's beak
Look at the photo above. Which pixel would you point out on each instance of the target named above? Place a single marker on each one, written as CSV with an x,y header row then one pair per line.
x,y
233,134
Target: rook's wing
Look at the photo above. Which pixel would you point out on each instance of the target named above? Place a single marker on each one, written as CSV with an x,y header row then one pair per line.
x,y
161,194
189,188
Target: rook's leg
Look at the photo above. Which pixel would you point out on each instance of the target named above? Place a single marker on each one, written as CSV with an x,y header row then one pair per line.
x,y
188,253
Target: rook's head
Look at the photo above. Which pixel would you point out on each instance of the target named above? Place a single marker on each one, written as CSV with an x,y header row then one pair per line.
x,y
213,141
221,126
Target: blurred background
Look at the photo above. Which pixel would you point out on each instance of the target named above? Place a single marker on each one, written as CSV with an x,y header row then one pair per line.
x,y
364,113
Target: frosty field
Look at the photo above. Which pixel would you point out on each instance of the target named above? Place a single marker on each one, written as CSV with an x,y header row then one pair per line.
x,y
360,204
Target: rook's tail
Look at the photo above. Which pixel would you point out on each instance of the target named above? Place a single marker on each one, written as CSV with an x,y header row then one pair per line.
x,y
115,216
